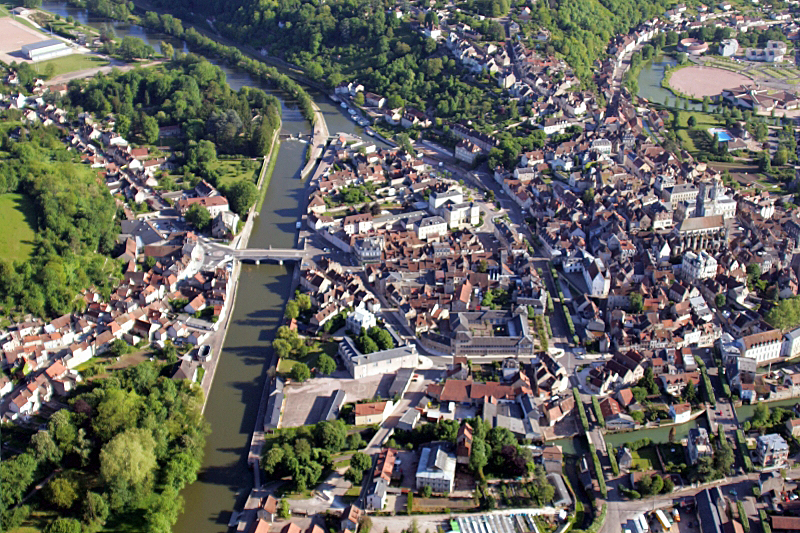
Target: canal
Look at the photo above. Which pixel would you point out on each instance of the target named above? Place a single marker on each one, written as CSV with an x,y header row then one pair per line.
x,y
225,479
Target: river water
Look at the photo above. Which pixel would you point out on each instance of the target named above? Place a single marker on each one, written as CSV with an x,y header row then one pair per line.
x,y
649,81
225,479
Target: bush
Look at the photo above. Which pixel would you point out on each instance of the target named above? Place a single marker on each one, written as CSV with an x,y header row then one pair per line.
x,y
598,471
425,492
762,514
613,459
581,409
743,517
756,492
597,412
712,399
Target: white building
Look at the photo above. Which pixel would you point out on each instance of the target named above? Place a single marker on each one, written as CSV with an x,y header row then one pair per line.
x,y
437,469
680,413
774,52
763,347
48,49
791,343
439,199
358,319
698,266
431,227
728,47
461,215
383,362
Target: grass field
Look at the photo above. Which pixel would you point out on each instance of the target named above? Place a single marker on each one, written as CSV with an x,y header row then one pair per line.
x,y
645,458
19,226
319,348
231,170
70,63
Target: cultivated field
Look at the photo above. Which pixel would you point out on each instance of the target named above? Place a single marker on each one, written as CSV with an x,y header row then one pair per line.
x,y
705,81
13,36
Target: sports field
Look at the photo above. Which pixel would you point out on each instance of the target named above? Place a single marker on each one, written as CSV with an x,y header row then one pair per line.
x,y
700,81
13,36
18,217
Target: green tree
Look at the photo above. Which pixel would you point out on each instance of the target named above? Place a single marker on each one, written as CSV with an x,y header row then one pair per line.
x,y
303,301
64,525
149,129
478,457
354,475
637,303
45,448
200,153
241,195
300,372
16,475
167,50
117,411
781,157
648,381
692,122
425,491
326,364
753,274
127,465
361,461
61,492
720,300
199,217
95,509
292,310
283,509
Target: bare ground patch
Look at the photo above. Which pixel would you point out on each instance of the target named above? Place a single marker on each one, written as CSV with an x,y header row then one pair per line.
x,y
700,81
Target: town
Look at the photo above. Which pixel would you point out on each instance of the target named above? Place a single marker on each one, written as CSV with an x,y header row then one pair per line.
x,y
583,316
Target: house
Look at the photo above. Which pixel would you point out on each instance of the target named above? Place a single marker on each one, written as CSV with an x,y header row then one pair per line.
x,y
351,516
464,444
793,426
680,412
213,204
269,510
698,444
436,469
674,384
186,370
360,319
372,413
771,450
409,420
625,459
785,524
552,459
764,347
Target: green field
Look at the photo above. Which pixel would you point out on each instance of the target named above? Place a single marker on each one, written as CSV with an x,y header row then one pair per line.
x,y
19,227
70,63
231,170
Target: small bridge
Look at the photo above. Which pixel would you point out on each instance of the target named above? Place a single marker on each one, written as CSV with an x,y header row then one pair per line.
x,y
269,255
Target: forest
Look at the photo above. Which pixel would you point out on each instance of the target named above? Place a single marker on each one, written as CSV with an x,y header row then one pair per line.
x,y
75,224
119,454
191,92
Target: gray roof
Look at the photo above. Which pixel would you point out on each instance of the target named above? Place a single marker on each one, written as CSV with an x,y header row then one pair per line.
x,y
43,44
401,381
435,462
358,358
274,403
562,497
708,511
332,410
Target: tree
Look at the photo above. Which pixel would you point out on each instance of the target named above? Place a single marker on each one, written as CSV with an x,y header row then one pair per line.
x,y
753,274
330,435
116,412
425,491
760,416
16,475
45,448
637,303
300,372
354,475
648,381
639,394
167,50
199,217
95,509
127,465
303,301
672,435
588,196
242,195
692,122
326,364
64,525
781,157
690,393
360,461
359,98
119,348
720,300
61,492
149,129
200,153
478,457
283,509
292,310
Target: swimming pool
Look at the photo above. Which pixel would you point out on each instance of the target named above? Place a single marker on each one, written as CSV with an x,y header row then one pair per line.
x,y
722,134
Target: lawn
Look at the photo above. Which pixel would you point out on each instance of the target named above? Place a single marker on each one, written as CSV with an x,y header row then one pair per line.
x,y
677,457
70,63
315,350
19,226
645,459
231,170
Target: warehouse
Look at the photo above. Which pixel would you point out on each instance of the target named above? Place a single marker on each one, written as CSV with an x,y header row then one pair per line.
x,y
46,50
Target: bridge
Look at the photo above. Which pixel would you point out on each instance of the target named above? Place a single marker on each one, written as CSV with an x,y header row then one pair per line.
x,y
268,255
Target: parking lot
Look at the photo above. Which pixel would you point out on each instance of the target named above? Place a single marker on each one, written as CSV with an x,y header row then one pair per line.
x,y
306,402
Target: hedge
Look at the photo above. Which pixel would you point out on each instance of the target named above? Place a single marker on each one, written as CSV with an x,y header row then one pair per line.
x,y
764,521
712,399
597,523
743,517
741,443
597,412
613,458
581,409
598,470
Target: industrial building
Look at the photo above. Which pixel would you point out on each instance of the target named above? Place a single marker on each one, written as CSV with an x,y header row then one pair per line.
x,y
48,49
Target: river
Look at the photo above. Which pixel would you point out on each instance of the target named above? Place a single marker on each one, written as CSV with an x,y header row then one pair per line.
x,y
225,479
